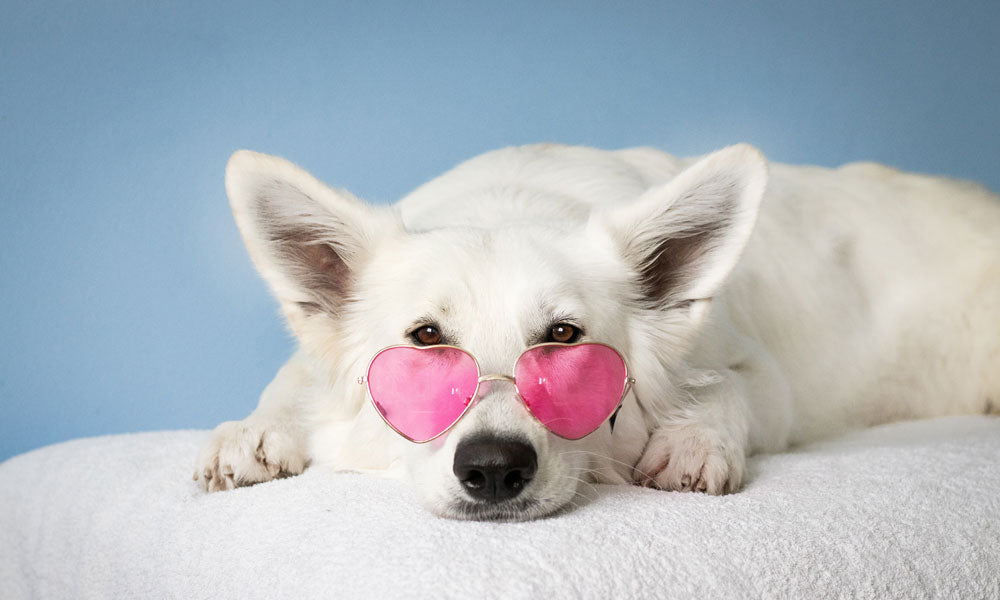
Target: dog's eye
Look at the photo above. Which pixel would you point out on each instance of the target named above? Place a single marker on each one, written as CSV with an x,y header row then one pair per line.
x,y
564,333
426,335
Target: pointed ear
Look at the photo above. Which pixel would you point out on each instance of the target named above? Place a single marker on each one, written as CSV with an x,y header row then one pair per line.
x,y
306,239
684,237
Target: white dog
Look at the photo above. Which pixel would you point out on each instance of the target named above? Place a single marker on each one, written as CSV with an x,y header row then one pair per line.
x,y
749,321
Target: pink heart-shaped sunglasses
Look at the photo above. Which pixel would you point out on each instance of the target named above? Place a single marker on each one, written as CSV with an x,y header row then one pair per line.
x,y
571,389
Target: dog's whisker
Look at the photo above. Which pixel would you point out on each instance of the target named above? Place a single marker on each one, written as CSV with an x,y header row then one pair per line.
x,y
632,468
600,456
581,480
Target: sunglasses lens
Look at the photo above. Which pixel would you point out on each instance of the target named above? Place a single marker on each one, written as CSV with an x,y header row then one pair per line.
x,y
421,392
572,390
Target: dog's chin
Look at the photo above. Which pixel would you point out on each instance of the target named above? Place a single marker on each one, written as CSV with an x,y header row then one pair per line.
x,y
525,509
544,502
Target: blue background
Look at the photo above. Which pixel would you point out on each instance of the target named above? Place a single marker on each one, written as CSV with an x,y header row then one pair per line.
x,y
129,302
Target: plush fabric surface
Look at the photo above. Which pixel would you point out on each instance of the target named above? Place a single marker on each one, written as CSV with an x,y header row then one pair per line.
x,y
910,510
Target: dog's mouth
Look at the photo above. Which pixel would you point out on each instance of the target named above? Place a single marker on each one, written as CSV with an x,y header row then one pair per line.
x,y
520,509
534,504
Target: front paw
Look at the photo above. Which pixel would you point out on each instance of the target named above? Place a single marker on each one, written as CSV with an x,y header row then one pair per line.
x,y
691,458
243,453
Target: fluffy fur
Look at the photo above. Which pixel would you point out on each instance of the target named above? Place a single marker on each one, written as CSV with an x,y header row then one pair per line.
x,y
845,298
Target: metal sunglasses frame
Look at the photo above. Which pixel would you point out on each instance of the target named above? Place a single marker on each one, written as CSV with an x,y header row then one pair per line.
x,y
365,381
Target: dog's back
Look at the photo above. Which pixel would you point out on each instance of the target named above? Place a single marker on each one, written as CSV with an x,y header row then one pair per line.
x,y
878,291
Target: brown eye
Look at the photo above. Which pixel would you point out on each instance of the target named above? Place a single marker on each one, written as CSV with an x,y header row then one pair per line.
x,y
428,335
563,333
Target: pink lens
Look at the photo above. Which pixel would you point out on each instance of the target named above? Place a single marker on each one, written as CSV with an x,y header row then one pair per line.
x,y
572,390
421,392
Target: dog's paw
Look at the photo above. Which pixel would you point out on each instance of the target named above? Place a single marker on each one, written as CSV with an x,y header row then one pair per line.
x,y
241,453
690,458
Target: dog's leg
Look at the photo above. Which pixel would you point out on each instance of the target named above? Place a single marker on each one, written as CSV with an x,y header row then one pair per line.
x,y
271,442
702,444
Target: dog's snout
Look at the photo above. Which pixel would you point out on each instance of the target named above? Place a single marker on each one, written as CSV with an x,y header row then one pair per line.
x,y
494,469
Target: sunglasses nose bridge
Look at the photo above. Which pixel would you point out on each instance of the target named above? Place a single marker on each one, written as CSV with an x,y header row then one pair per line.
x,y
487,382
496,377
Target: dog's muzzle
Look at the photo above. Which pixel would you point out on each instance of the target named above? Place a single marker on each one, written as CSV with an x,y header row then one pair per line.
x,y
494,469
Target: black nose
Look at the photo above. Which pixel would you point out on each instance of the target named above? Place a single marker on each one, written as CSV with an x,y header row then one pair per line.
x,y
494,469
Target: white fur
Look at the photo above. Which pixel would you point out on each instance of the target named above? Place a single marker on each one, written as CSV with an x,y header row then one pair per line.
x,y
852,297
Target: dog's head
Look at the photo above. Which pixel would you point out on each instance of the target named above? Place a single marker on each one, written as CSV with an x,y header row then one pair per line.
x,y
638,276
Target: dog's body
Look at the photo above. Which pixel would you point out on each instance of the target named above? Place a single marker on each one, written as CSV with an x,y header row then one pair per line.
x,y
861,295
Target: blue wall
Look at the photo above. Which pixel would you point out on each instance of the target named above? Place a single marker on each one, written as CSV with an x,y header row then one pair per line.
x,y
129,301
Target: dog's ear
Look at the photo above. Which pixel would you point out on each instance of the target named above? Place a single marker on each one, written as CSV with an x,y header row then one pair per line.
x,y
306,239
684,237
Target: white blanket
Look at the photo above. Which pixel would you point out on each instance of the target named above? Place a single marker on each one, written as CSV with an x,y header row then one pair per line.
x,y
910,510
